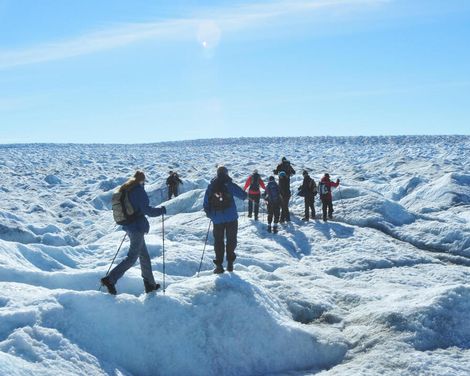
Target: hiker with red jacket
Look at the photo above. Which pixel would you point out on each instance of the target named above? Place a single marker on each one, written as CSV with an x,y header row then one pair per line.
x,y
324,187
254,181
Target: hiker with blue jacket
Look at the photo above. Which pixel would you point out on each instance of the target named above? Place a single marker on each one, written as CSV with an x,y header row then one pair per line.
x,y
136,230
219,206
272,196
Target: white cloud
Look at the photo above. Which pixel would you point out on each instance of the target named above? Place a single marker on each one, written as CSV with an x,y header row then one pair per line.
x,y
212,24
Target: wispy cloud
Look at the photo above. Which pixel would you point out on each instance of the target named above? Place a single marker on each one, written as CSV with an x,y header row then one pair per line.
x,y
227,20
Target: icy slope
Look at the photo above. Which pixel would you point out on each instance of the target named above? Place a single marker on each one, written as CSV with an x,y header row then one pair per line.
x,y
382,290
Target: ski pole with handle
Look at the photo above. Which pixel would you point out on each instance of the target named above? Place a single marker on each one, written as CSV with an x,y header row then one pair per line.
x,y
114,258
163,250
204,249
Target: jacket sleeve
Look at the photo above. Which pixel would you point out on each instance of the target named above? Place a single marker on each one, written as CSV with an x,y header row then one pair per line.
x,y
206,205
142,200
292,171
333,184
237,191
277,169
261,183
247,184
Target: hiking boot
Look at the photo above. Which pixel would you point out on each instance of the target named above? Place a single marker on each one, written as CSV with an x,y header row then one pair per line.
x,y
305,219
230,266
256,218
324,219
249,215
219,269
330,216
269,228
149,287
110,286
275,229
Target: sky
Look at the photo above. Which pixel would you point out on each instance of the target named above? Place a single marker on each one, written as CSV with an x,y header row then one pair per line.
x,y
114,71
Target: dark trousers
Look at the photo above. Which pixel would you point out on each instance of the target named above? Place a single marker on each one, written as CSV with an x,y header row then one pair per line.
x,y
253,202
309,206
285,215
221,231
274,210
172,191
327,205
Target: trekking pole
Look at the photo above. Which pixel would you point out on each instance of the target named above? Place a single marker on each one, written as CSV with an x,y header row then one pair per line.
x,y
163,250
341,197
114,258
203,250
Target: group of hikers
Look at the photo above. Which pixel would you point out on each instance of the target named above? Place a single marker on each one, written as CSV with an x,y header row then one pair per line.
x,y
219,206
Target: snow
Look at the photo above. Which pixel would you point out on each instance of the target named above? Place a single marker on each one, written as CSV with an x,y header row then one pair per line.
x,y
382,289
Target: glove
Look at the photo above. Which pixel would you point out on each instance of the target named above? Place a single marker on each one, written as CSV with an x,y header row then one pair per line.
x,y
163,209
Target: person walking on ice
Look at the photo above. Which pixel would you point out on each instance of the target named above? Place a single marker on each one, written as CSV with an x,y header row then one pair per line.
x,y
324,187
254,181
273,198
219,206
173,181
308,191
136,230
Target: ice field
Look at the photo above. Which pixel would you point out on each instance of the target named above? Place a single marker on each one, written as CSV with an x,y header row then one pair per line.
x,y
384,289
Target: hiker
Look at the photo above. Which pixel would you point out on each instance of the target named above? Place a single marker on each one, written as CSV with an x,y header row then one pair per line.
x,y
219,205
172,182
284,189
136,231
286,167
324,187
273,198
254,181
308,190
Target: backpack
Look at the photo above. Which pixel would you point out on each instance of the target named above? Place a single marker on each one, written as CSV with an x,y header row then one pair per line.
x,y
324,189
123,212
274,195
313,187
220,199
254,186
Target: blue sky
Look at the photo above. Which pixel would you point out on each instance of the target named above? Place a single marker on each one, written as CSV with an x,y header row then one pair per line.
x,y
148,71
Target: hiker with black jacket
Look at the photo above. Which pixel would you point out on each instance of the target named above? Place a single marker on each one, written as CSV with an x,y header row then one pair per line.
x,y
284,189
172,182
254,181
136,231
308,191
219,206
286,167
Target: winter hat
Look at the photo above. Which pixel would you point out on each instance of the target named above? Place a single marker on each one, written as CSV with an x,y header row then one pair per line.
x,y
222,170
327,175
282,174
305,173
271,178
255,171
284,159
139,176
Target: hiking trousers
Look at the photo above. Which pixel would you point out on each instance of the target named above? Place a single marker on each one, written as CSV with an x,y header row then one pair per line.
x,y
253,202
327,206
172,191
285,215
221,231
274,210
309,201
137,250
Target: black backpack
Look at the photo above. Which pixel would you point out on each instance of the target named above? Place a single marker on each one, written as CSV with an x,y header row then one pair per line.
x,y
220,199
254,186
274,195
